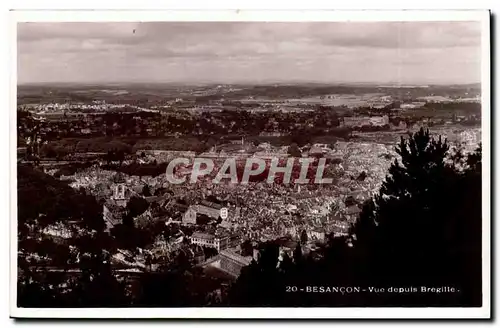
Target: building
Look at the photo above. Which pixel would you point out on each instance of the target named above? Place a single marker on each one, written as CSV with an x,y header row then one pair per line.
x,y
210,209
316,150
229,261
112,214
144,219
355,121
270,134
379,120
359,121
114,209
238,141
209,240
353,212
412,105
119,195
286,247
61,232
232,262
437,99
189,216
317,234
177,208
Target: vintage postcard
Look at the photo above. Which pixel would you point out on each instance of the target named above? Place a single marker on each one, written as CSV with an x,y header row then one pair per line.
x,y
236,164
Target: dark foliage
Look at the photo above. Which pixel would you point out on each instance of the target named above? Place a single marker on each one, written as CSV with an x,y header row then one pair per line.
x,y
294,151
246,248
45,200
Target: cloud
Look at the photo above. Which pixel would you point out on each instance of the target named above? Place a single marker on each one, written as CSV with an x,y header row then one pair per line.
x,y
234,51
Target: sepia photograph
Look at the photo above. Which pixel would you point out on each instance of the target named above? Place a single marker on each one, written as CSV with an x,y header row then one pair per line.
x,y
215,166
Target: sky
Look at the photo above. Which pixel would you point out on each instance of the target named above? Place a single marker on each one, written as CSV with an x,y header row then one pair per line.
x,y
250,52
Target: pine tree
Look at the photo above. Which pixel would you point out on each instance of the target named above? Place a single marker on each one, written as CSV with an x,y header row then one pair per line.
x,y
303,237
145,191
297,254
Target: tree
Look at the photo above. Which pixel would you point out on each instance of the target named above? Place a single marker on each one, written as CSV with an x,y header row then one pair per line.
x,y
362,176
260,283
303,237
136,206
246,248
294,150
145,191
46,200
297,254
97,286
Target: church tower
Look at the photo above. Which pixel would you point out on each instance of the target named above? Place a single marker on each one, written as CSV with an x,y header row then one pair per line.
x,y
119,194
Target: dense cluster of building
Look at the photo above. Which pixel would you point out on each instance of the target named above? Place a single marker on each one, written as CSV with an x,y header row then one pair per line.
x,y
208,222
